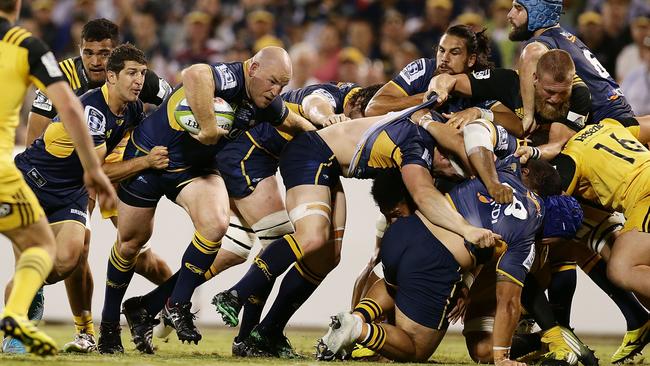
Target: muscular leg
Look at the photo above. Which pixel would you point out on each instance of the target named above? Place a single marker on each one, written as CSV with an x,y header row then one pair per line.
x,y
37,246
312,231
206,201
134,229
308,272
629,264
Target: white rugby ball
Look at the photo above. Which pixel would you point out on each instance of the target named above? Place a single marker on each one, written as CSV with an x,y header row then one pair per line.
x,y
223,115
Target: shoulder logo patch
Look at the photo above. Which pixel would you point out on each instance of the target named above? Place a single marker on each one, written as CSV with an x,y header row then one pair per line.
x,y
413,71
228,80
96,121
42,101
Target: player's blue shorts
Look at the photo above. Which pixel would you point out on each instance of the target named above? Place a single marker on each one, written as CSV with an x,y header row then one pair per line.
x,y
308,160
516,261
242,164
423,270
147,187
268,138
59,206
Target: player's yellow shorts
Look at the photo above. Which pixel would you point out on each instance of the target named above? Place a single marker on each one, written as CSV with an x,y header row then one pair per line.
x,y
19,206
638,216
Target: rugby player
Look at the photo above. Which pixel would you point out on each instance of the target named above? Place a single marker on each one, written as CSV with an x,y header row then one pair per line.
x,y
27,60
248,166
536,22
421,277
315,201
252,87
84,72
460,51
563,107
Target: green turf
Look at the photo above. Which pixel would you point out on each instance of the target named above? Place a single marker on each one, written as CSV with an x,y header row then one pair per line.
x,y
214,349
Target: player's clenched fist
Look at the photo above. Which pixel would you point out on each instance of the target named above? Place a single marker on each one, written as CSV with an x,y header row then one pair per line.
x,y
158,157
482,238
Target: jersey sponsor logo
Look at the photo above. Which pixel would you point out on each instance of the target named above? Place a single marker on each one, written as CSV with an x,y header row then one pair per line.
x,y
592,130
576,119
570,37
5,209
42,102
228,80
51,65
96,121
36,177
327,95
77,212
413,71
480,75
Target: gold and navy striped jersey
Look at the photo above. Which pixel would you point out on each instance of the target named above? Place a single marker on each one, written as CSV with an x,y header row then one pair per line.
x,y
24,59
52,163
154,89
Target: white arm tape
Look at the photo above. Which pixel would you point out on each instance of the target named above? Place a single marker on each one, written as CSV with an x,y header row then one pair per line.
x,y
381,226
477,135
487,114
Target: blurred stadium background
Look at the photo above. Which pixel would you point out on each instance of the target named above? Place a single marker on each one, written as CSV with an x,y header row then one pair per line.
x,y
361,41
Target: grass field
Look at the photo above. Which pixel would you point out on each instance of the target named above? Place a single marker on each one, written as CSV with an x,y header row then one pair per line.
x,y
214,349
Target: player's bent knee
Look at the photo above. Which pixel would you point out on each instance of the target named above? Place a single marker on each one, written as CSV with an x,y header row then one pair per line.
x,y
212,226
479,347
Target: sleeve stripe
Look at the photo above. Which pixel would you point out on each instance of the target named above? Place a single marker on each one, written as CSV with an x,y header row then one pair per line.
x,y
66,72
14,34
22,37
70,68
74,73
9,34
400,88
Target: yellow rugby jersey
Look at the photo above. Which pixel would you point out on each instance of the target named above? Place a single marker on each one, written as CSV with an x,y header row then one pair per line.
x,y
605,163
24,60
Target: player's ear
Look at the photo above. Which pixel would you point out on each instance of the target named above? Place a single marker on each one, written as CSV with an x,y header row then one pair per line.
x,y
111,77
254,67
471,60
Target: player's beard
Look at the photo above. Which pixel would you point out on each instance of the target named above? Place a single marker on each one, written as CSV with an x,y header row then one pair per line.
x,y
550,112
520,33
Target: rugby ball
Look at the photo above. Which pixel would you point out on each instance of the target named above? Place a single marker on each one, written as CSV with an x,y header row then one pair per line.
x,y
223,115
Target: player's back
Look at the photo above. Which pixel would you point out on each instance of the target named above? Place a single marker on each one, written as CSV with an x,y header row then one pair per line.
x,y
14,74
607,99
23,60
516,222
610,165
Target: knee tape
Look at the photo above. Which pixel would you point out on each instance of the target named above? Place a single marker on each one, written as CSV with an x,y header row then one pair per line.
x,y
598,235
311,208
272,227
239,238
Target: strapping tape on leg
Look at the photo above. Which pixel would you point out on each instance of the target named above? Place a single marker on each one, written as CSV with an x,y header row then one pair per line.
x,y
239,238
311,208
272,227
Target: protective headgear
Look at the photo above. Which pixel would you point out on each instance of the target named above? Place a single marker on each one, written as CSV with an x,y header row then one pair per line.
x,y
562,218
542,13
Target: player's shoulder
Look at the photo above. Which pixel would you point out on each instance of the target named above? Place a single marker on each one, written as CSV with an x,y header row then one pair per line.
x,y
418,68
230,75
